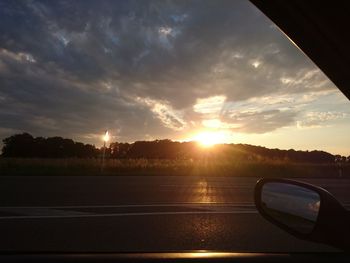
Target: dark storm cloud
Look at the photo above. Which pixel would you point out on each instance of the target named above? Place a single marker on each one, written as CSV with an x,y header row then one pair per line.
x,y
45,103
75,67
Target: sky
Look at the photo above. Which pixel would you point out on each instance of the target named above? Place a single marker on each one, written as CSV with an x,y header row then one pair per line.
x,y
145,70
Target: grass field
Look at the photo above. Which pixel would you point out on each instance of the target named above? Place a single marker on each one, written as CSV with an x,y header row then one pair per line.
x,y
203,167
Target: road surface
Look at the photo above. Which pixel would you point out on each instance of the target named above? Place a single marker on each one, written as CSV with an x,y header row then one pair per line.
x,y
146,213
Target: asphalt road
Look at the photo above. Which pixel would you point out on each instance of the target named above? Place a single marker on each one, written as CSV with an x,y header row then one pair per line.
x,y
142,214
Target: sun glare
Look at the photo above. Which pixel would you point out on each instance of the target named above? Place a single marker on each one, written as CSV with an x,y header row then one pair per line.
x,y
208,139
106,136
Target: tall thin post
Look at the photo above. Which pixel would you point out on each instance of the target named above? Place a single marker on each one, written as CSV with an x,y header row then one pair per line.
x,y
105,139
103,155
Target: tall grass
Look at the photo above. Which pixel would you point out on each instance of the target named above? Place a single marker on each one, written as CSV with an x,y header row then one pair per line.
x,y
160,167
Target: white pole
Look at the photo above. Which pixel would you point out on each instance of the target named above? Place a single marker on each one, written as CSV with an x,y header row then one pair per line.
x,y
105,139
103,155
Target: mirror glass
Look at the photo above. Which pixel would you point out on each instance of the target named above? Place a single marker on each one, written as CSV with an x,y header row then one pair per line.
x,y
292,205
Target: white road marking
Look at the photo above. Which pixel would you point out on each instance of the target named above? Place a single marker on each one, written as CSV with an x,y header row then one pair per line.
x,y
27,212
130,214
37,212
208,186
188,204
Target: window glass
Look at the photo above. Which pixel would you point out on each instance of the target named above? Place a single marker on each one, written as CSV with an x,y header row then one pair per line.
x,y
144,125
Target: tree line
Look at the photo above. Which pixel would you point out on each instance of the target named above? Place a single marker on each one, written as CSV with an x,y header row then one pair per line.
x,y
26,146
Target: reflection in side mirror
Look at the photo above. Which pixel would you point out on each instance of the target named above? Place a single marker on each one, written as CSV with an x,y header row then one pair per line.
x,y
303,210
294,206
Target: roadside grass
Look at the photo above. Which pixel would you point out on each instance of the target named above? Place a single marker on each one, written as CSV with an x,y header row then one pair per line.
x,y
160,167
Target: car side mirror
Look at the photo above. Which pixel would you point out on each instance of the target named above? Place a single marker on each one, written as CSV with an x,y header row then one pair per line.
x,y
303,210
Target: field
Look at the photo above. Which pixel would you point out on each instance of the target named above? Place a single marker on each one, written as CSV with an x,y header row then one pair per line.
x,y
158,167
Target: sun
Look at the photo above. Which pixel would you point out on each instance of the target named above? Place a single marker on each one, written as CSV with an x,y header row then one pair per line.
x,y
208,139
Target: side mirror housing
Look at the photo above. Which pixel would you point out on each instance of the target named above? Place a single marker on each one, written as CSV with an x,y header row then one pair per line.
x,y
303,210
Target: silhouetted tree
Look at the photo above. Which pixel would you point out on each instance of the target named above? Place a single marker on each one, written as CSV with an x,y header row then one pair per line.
x,y
19,145
25,146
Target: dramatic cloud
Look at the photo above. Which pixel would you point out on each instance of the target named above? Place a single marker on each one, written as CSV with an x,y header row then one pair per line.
x,y
316,119
151,69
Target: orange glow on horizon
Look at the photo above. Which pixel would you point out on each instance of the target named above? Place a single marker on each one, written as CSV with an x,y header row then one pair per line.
x,y
208,139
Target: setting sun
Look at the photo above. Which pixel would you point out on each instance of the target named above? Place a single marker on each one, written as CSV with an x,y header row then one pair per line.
x,y
208,139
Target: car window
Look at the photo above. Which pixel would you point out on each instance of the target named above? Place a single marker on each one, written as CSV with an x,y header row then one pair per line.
x,y
144,126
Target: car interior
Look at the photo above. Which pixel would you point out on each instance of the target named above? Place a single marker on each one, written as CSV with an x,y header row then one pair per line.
x,y
320,29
